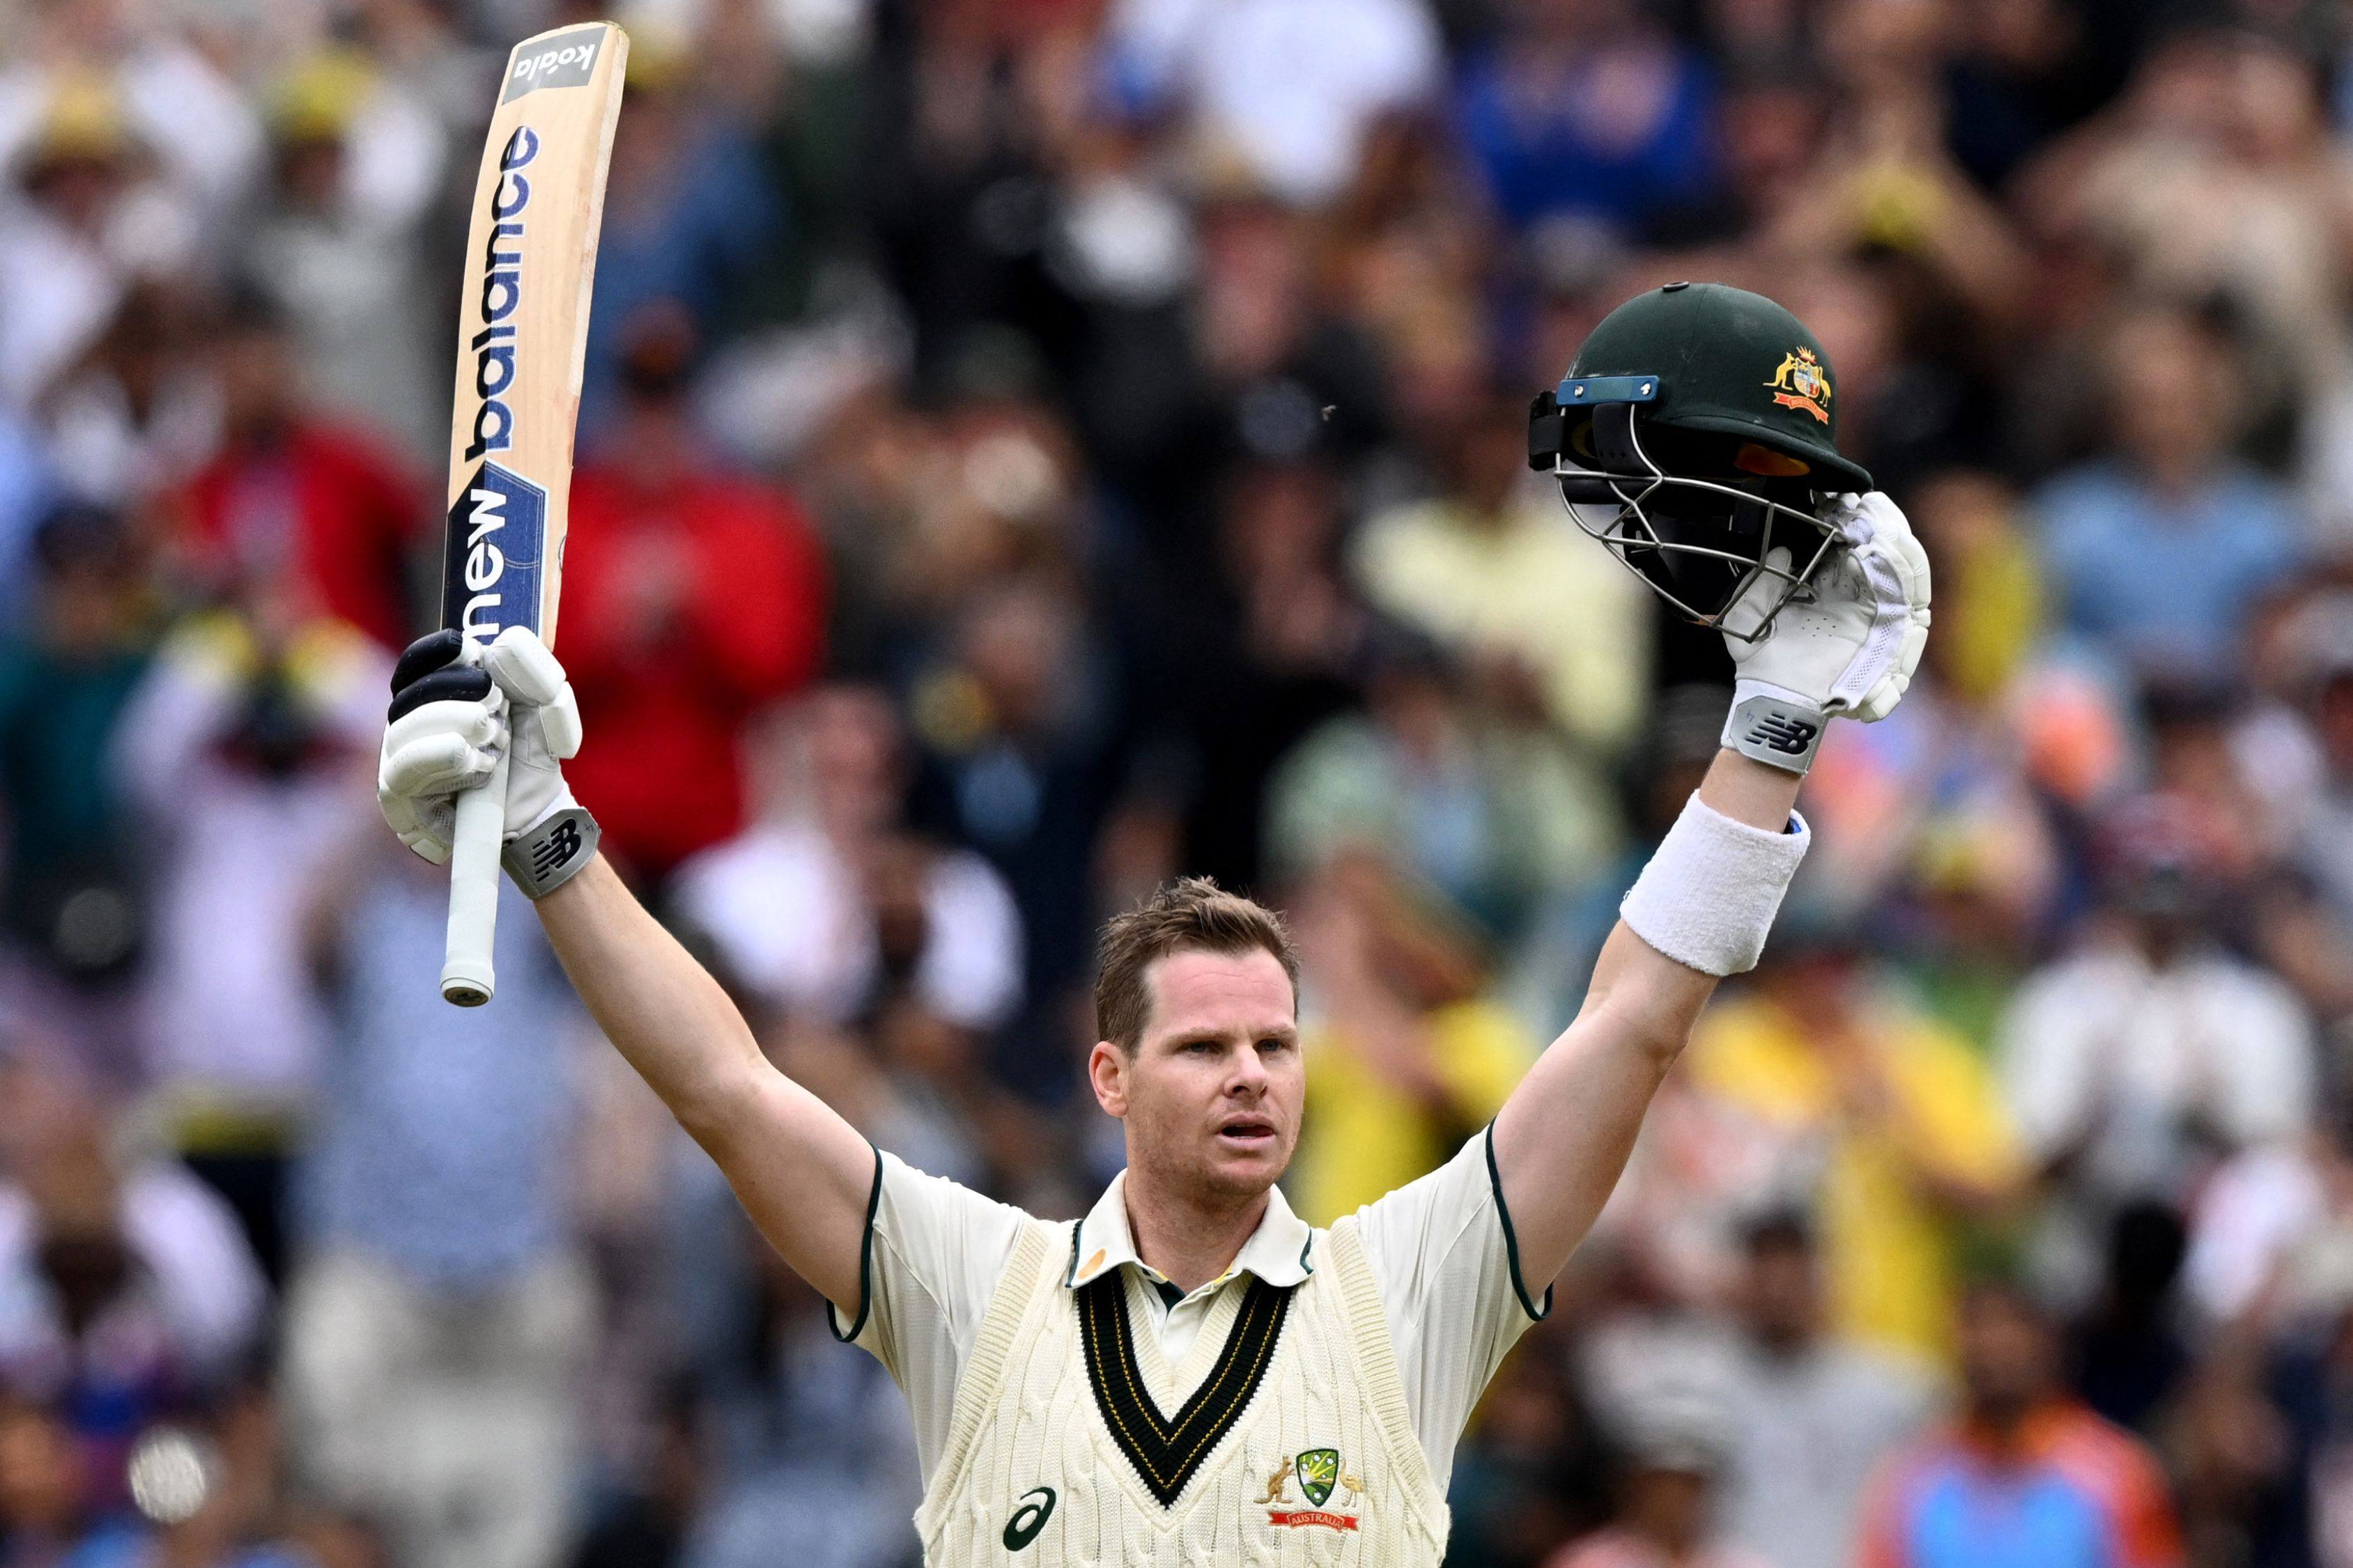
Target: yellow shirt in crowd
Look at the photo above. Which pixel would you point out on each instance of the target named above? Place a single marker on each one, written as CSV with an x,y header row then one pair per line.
x,y
1364,1136
1889,1235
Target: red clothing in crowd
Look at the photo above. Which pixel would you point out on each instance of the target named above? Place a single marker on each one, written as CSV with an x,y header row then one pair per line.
x,y
686,607
321,514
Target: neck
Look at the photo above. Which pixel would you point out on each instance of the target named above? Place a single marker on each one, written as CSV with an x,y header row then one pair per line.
x,y
1188,1240
2000,1424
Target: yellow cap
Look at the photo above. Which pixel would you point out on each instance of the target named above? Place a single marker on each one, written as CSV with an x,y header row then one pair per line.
x,y
316,100
85,117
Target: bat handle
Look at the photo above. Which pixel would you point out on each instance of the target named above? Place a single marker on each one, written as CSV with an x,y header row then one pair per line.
x,y
466,978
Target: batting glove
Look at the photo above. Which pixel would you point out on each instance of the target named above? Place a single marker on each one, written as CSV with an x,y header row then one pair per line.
x,y
1845,647
455,706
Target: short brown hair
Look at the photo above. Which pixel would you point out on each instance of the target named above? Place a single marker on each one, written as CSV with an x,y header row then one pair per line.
x,y
1192,914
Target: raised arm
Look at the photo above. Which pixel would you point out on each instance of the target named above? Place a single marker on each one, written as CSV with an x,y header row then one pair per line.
x,y
804,1174
1563,1139
1702,906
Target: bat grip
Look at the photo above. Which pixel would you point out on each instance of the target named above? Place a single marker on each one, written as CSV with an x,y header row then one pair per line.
x,y
466,978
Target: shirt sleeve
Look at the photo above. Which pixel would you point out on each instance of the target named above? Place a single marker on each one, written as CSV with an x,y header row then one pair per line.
x,y
1443,1254
2140,1511
934,1254
2265,1088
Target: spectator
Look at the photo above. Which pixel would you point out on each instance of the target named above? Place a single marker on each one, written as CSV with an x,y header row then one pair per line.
x,y
2131,1065
1406,1059
1812,1414
1588,110
1267,659
687,215
1493,812
26,480
1281,90
2026,1477
2324,845
293,505
356,162
127,150
128,1294
1667,1498
826,907
2159,550
244,753
675,564
46,1518
440,1317
2127,1354
136,415
1850,1106
73,888
815,1451
1534,1468
1018,731
1496,572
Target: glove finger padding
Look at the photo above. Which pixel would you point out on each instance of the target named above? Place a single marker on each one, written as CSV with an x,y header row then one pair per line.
x,y
559,725
1847,645
477,722
1891,581
1746,613
425,826
523,667
439,763
528,673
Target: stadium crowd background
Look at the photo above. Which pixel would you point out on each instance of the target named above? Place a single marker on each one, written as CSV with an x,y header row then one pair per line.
x,y
1032,447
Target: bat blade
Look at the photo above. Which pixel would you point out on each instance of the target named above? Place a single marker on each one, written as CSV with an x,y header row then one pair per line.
x,y
523,330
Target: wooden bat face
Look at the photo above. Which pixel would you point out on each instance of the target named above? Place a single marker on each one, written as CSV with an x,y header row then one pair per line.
x,y
523,330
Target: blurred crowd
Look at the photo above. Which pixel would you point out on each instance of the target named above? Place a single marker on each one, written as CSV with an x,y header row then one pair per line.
x,y
1033,448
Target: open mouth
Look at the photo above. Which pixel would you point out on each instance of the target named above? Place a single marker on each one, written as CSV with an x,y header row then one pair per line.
x,y
1247,1132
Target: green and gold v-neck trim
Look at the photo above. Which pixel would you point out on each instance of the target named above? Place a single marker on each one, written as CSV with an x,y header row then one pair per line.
x,y
1165,1454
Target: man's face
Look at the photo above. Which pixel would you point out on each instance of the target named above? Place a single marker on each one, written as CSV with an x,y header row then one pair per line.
x,y
1211,1095
1781,1297
2006,1355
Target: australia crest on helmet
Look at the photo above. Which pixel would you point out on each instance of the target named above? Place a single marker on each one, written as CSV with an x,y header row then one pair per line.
x,y
1800,382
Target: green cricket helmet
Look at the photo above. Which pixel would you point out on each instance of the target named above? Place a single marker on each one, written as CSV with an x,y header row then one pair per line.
x,y
1696,436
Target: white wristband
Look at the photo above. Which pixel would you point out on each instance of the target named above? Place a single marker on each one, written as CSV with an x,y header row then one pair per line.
x,y
1708,896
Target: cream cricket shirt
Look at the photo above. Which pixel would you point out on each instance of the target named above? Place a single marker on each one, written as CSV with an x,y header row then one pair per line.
x,y
1071,1406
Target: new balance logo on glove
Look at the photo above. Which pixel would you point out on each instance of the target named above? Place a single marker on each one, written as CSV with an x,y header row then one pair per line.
x,y
1787,735
551,854
557,848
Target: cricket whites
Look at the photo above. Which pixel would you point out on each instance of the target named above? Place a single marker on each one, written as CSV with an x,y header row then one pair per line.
x,y
523,330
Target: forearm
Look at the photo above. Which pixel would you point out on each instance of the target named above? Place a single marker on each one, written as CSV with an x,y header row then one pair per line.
x,y
1750,792
1563,1139
665,1014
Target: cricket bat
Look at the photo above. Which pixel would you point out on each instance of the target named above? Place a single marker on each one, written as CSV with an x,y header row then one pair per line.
x,y
522,334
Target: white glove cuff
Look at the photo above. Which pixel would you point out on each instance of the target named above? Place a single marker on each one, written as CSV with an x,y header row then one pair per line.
x,y
1708,896
1774,725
